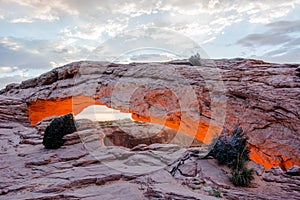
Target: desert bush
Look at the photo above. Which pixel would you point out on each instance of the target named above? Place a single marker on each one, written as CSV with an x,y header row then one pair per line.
x,y
58,128
231,150
242,177
195,59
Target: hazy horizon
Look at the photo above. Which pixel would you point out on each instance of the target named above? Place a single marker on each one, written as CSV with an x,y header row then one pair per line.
x,y
101,113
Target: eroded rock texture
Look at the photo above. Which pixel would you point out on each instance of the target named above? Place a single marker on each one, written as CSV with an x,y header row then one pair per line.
x,y
132,134
264,98
29,171
13,110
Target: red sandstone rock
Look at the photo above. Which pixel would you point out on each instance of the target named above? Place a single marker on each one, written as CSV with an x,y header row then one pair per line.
x,y
262,97
28,171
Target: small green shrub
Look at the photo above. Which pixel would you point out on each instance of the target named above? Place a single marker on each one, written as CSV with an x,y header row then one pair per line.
x,y
195,59
217,193
242,177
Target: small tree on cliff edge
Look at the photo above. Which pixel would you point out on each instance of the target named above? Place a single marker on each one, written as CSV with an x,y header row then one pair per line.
x,y
231,150
195,59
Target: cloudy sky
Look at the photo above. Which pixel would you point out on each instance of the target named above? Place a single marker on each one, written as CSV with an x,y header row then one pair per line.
x,y
37,35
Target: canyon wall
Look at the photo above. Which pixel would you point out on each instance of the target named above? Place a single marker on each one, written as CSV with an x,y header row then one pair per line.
x,y
262,97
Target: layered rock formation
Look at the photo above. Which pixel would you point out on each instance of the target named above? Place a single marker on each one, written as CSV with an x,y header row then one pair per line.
x,y
132,134
29,171
263,97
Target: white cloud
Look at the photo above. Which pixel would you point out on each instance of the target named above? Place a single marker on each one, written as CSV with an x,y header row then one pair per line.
x,y
38,56
12,45
37,17
269,15
153,40
279,43
21,20
257,11
209,40
28,11
95,30
7,69
197,19
133,9
4,81
54,64
11,74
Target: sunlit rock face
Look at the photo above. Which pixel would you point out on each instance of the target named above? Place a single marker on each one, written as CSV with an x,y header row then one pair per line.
x,y
132,134
41,108
262,97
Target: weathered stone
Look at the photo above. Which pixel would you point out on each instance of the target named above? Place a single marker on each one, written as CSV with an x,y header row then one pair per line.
x,y
262,97
294,171
58,128
259,169
188,169
276,171
130,134
72,172
13,109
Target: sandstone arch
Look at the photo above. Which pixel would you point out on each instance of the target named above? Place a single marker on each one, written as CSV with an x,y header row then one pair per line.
x,y
264,98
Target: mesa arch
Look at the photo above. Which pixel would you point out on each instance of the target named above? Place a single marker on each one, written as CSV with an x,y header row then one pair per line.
x,y
262,97
40,109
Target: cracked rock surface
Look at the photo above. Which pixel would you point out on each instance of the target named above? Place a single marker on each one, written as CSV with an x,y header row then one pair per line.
x,y
262,97
29,171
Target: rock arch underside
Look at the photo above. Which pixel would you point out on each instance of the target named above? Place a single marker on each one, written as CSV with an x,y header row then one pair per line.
x,y
264,98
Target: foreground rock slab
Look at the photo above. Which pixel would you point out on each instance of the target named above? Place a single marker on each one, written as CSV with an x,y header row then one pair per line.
x,y
295,171
29,171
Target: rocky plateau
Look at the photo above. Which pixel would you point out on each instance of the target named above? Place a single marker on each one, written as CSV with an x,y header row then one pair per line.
x,y
187,106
